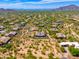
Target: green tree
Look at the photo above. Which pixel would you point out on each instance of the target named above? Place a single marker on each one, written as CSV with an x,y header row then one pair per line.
x,y
74,51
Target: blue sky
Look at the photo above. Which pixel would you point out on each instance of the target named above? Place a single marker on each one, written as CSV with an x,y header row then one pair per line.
x,y
36,4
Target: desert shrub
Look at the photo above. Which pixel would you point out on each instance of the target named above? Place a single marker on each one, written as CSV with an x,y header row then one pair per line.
x,y
51,56
62,49
7,46
3,50
40,58
11,57
30,55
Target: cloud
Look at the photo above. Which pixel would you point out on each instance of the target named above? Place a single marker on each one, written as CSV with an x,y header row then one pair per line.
x,y
33,5
49,1
37,1
23,6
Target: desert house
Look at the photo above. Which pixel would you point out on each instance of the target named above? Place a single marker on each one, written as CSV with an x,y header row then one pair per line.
x,y
15,28
4,39
1,27
60,35
34,28
54,29
11,34
2,31
40,34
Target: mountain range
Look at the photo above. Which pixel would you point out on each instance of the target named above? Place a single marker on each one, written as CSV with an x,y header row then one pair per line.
x,y
2,10
69,7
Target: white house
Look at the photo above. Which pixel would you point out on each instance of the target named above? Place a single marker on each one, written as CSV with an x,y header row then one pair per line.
x,y
65,44
77,46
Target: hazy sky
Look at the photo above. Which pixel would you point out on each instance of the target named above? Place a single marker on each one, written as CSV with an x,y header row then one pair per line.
x,y
36,4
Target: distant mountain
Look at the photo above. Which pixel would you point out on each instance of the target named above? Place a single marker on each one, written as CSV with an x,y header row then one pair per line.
x,y
2,10
69,7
